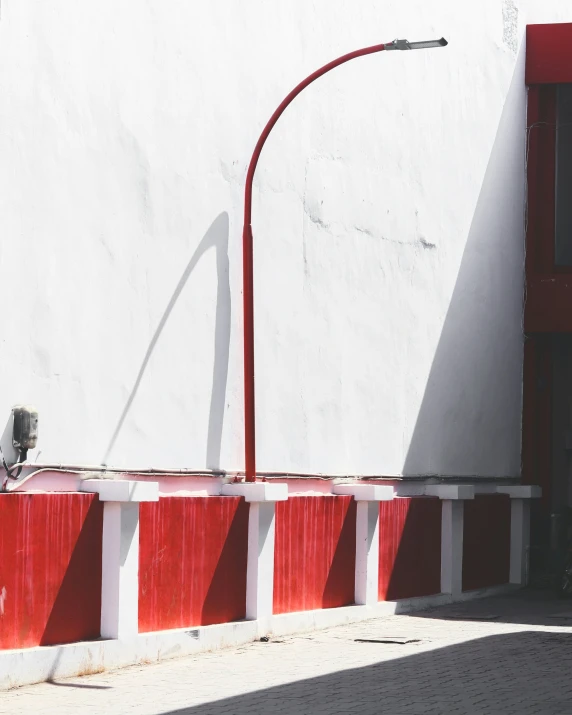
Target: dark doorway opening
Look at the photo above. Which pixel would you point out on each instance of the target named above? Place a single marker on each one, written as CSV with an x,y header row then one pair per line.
x,y
547,452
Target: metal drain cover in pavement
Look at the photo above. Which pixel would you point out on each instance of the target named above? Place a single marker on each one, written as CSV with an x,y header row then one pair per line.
x,y
471,616
388,639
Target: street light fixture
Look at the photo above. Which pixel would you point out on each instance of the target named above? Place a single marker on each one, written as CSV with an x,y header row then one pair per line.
x,y
247,254
406,45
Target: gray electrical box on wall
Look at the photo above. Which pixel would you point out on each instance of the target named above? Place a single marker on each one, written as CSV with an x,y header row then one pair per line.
x,y
25,431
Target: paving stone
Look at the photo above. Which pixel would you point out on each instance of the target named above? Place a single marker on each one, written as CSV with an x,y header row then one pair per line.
x,y
520,662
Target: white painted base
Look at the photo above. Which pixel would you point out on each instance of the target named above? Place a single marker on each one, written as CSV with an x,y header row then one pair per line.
x,y
288,623
36,665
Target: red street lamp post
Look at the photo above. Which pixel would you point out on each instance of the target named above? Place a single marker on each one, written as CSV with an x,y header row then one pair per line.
x,y
247,255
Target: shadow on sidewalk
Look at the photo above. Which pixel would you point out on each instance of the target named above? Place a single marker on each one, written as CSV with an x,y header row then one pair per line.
x,y
532,607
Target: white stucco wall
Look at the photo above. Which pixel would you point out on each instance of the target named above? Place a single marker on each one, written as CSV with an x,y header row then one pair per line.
x,y
388,232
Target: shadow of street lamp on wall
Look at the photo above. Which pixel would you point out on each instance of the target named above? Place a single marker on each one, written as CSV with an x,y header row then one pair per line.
x,y
247,253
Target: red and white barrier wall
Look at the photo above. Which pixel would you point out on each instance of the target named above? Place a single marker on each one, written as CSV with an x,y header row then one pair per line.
x,y
121,571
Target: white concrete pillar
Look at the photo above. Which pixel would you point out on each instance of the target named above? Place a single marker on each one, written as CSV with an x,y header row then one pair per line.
x,y
260,569
367,553
367,497
453,497
519,540
452,547
520,529
262,497
120,552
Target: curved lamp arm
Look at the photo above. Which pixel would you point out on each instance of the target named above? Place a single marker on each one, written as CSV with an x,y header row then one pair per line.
x,y
247,255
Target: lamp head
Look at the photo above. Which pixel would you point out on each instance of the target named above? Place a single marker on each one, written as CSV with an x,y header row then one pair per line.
x,y
406,45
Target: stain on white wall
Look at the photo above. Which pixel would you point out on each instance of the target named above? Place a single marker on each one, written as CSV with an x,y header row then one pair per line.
x,y
387,222
510,33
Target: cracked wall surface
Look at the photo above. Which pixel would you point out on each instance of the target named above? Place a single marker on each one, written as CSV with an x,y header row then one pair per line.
x,y
387,232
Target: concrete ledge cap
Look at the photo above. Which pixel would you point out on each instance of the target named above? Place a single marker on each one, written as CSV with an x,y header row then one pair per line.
x,y
121,490
522,491
450,491
365,492
257,491
409,490
485,489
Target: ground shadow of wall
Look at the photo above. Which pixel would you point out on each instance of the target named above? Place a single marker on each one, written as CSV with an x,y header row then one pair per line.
x,y
531,607
216,237
526,672
469,420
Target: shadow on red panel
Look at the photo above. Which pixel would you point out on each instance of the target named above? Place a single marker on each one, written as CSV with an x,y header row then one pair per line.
x,y
340,585
226,597
76,613
486,542
314,553
409,548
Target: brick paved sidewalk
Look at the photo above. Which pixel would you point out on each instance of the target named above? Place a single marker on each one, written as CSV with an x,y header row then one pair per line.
x,y
505,655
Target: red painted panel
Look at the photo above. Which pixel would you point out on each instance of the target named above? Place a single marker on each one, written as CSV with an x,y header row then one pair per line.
x,y
486,542
548,297
544,182
192,562
533,154
314,554
50,569
409,548
549,53
541,177
548,306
